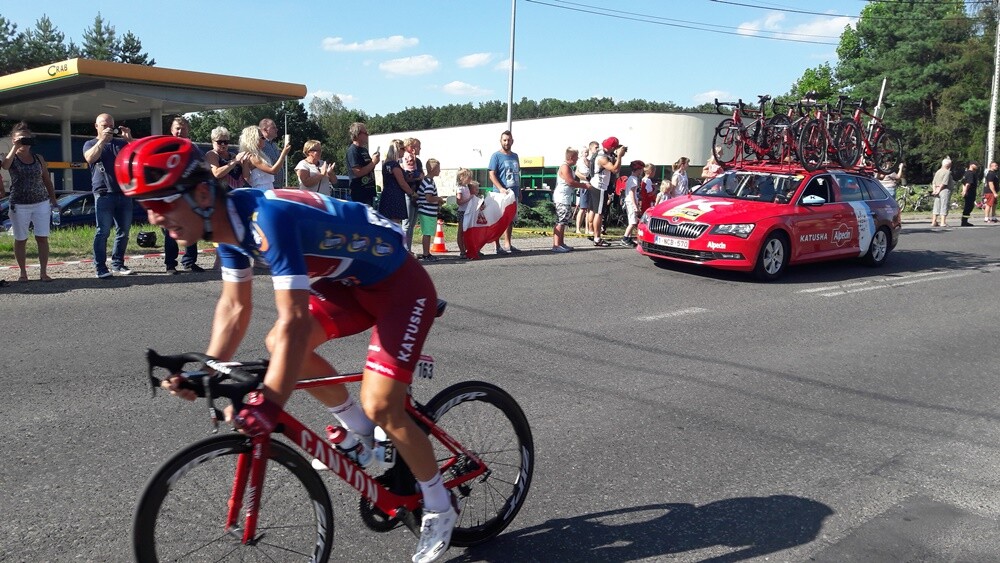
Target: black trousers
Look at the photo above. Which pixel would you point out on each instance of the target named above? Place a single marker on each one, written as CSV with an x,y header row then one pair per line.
x,y
970,204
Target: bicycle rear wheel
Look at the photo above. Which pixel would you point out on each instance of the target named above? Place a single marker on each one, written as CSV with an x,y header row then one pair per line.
x,y
812,144
726,145
887,151
182,513
775,131
488,422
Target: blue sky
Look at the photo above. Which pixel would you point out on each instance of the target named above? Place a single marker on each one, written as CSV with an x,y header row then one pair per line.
x,y
381,57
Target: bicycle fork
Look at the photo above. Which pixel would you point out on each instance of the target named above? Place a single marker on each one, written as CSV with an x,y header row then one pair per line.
x,y
249,471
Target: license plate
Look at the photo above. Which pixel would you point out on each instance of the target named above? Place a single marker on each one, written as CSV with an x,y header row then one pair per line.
x,y
672,242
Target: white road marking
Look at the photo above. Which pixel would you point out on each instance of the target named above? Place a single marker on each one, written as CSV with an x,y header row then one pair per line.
x,y
671,314
887,283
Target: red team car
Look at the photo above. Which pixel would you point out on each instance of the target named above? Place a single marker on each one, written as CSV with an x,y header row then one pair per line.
x,y
762,218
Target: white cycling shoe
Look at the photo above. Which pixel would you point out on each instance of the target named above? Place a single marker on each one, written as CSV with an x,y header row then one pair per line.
x,y
435,535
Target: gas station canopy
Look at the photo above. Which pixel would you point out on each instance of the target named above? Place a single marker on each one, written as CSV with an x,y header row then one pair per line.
x,y
78,90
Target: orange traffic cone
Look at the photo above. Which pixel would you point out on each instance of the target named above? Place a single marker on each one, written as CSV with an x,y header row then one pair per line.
x,y
438,246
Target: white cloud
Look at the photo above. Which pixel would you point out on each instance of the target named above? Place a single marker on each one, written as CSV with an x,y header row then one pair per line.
x,y
393,43
505,65
348,99
474,60
458,88
410,66
822,28
712,95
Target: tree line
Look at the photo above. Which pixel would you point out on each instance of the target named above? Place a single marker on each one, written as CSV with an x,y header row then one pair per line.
x,y
937,59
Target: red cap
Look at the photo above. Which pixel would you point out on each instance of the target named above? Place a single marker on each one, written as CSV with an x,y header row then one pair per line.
x,y
637,165
610,143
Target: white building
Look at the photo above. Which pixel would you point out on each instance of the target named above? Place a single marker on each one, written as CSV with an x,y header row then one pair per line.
x,y
659,138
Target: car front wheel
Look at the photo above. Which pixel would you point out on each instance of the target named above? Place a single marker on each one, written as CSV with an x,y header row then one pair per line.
x,y
878,250
773,258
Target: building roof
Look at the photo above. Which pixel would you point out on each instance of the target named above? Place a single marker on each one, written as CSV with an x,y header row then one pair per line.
x,y
78,90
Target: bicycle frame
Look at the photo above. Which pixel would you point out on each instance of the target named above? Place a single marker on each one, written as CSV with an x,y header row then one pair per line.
x,y
250,467
740,130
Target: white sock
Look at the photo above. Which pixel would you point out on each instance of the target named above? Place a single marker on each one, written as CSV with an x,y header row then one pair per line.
x,y
436,497
353,418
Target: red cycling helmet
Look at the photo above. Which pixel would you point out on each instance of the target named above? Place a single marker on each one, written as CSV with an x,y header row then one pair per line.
x,y
159,163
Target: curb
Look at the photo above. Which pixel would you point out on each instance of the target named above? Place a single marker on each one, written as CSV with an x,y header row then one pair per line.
x,y
91,260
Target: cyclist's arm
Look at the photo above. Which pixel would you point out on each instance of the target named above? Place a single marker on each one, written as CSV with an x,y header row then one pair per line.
x,y
232,317
289,341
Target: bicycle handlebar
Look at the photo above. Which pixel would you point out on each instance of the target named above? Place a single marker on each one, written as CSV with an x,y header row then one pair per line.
x,y
224,379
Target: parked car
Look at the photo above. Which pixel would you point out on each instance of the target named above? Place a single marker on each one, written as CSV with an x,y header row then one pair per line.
x,y
763,218
5,207
77,208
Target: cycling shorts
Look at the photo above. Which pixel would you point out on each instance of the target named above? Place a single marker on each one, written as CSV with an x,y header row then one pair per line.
x,y
401,308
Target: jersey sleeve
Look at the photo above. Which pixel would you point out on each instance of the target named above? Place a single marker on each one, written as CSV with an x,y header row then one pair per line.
x,y
276,232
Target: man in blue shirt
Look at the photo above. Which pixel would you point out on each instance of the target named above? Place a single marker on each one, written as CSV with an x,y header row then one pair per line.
x,y
505,174
270,131
109,203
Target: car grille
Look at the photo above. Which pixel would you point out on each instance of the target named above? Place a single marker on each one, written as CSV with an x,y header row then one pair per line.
x,y
683,230
693,255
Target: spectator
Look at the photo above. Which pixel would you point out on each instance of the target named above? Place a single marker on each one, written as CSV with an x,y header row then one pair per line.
x,y
226,167
711,169
666,192
584,171
466,191
270,131
428,204
891,181
680,177
969,182
392,203
631,199
315,174
413,171
109,203
180,127
941,188
32,199
505,174
562,197
262,168
361,165
647,194
990,193
606,163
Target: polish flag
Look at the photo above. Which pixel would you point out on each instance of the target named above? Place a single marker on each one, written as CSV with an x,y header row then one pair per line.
x,y
486,221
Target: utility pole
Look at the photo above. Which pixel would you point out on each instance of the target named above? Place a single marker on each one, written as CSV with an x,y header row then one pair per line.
x,y
992,129
510,74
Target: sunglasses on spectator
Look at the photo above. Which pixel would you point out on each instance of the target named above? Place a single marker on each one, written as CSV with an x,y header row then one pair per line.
x,y
160,205
222,141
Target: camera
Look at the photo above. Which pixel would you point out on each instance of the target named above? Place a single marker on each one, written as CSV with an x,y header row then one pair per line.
x,y
26,141
624,149
116,131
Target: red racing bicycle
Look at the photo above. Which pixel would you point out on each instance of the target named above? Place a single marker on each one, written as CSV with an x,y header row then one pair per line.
x,y
233,496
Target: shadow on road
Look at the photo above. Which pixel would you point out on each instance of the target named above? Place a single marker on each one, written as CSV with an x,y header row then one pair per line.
x,y
750,526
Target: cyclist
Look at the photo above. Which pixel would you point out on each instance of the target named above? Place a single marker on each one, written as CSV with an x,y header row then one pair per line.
x,y
338,268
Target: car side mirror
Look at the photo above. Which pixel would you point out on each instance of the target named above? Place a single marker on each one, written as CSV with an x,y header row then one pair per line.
x,y
813,200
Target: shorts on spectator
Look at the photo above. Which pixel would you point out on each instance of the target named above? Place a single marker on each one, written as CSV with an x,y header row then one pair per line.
x,y
990,199
585,199
38,214
596,199
633,214
564,213
428,224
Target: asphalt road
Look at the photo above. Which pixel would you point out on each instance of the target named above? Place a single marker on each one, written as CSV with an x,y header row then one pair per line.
x,y
841,414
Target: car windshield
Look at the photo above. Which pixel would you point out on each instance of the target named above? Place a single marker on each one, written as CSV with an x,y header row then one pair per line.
x,y
755,186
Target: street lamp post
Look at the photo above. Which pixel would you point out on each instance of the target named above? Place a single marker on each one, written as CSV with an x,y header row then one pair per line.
x,y
510,74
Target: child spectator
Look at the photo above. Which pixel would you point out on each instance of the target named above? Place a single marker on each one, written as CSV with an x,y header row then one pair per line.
x,y
631,199
466,191
647,194
428,203
666,192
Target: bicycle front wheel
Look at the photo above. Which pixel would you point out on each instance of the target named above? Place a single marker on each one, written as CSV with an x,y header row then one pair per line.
x,y
726,145
812,144
181,515
489,423
887,152
848,143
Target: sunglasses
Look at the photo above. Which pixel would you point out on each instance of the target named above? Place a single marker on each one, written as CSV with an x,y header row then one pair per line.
x,y
222,141
160,205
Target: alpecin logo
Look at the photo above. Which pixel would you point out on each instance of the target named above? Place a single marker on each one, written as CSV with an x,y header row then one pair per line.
x,y
842,234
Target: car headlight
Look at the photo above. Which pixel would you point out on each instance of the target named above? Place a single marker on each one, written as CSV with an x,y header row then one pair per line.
x,y
645,218
741,230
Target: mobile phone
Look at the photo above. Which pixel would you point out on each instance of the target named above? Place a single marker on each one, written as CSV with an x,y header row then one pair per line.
x,y
378,148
